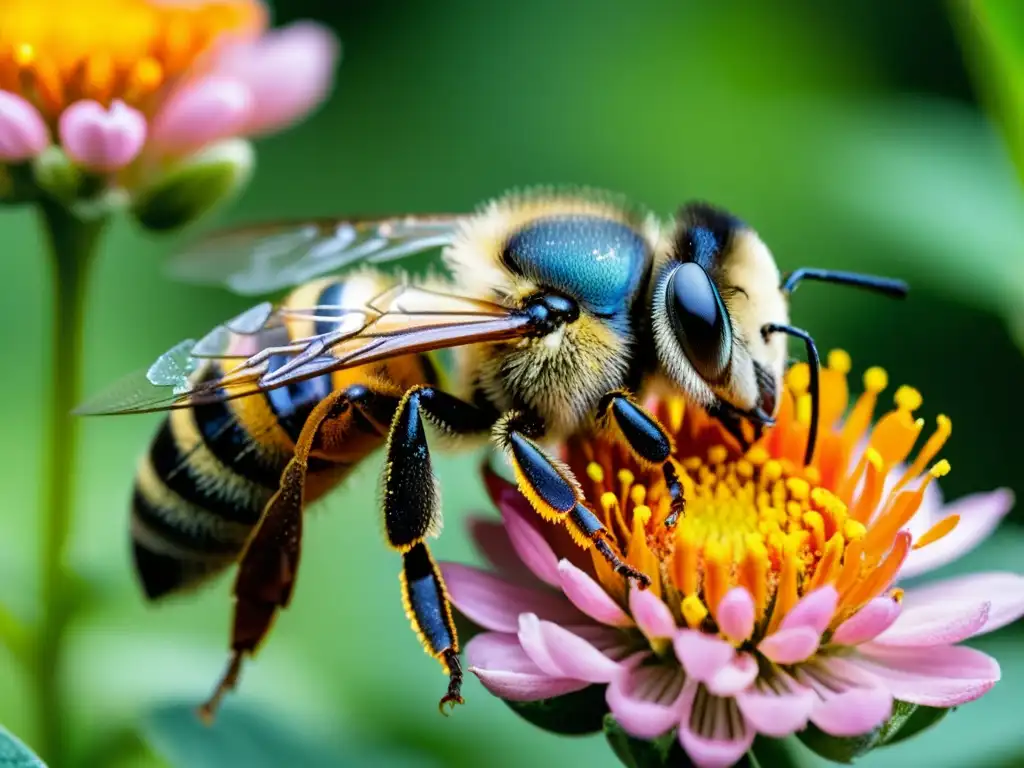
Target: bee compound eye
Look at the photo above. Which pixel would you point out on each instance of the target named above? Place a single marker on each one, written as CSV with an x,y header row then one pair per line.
x,y
699,319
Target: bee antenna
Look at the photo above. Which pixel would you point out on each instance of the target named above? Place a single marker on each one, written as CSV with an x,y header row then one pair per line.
x,y
887,285
814,361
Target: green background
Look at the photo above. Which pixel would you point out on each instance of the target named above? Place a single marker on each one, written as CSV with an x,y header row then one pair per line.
x,y
851,135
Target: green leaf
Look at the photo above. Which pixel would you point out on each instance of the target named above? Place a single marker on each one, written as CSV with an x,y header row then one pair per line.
x,y
574,714
239,736
637,753
913,718
14,754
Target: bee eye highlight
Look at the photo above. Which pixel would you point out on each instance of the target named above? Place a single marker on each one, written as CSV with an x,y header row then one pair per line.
x,y
699,319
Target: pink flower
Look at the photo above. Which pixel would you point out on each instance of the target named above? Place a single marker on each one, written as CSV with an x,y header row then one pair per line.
x,y
102,140
23,133
772,604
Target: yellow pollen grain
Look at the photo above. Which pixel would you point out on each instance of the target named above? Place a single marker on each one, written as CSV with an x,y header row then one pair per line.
x,y
693,611
907,399
940,469
839,361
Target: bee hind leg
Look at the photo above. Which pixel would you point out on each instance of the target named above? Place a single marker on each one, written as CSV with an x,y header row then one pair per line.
x,y
269,565
412,512
648,442
554,492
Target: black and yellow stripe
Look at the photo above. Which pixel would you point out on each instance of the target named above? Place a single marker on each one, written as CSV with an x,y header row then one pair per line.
x,y
203,485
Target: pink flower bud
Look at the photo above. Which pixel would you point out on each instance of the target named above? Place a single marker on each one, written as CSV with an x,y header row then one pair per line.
x,y
101,139
201,112
23,133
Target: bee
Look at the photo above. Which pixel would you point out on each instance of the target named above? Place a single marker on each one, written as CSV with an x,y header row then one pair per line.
x,y
555,311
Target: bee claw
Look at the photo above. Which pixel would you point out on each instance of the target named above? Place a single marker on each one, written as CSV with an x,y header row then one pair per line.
x,y
450,700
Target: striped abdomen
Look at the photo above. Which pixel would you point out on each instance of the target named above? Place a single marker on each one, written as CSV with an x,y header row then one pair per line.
x,y
202,486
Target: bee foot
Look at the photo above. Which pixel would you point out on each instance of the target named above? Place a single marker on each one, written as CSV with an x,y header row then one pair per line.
x,y
622,568
207,712
454,694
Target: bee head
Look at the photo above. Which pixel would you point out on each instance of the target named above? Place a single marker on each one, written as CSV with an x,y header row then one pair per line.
x,y
700,338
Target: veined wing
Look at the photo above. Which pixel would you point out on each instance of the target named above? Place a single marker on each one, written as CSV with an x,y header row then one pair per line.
x,y
268,257
254,352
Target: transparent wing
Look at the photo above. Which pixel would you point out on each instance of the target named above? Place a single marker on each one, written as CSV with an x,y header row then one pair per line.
x,y
255,352
265,258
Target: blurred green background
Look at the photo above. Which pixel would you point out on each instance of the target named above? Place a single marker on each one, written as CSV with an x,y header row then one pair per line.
x,y
869,135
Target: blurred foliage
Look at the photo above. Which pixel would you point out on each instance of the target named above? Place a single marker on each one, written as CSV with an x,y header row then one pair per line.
x,y
848,134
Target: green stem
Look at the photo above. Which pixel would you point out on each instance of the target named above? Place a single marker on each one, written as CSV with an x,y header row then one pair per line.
x,y
73,243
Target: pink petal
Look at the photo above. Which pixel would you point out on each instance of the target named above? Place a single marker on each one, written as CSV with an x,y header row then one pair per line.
x,y
735,614
651,614
702,656
289,72
23,133
506,671
645,698
200,112
935,623
871,620
560,653
495,604
980,514
777,713
101,139
814,610
853,712
530,544
708,734
943,676
491,540
1004,592
790,646
590,597
738,675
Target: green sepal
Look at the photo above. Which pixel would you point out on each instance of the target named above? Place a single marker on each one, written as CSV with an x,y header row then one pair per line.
x,y
573,714
195,186
909,720
14,754
54,173
663,752
839,749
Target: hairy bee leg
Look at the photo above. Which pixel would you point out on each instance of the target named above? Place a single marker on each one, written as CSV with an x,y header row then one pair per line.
x,y
412,512
268,567
648,441
731,420
554,492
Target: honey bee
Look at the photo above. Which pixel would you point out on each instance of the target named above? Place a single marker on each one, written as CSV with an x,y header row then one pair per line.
x,y
556,309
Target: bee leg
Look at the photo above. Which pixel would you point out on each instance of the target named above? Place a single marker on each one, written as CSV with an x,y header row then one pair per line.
x,y
553,491
647,441
268,567
412,512
732,421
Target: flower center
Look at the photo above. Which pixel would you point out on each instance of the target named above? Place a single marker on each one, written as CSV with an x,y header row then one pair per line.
x,y
759,519
57,52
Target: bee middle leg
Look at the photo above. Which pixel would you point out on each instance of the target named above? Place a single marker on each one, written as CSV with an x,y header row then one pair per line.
x,y
412,512
553,490
269,565
647,441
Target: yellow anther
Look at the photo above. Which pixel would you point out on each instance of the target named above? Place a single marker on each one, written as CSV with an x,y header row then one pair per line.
x,y
907,399
798,378
875,379
812,475
875,459
804,404
897,595
595,472
609,501
757,455
853,530
693,611
799,488
676,409
744,469
626,477
717,454
692,463
939,469
771,471
839,361
642,513
24,55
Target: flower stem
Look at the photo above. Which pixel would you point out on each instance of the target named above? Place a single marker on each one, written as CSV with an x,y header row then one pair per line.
x,y
73,243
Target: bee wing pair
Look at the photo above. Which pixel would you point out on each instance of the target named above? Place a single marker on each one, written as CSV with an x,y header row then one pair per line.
x,y
237,355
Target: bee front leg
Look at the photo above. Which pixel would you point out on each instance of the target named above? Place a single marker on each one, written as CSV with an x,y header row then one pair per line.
x,y
269,565
553,490
412,512
646,440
